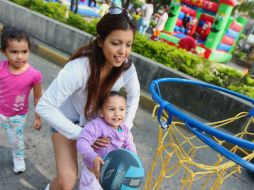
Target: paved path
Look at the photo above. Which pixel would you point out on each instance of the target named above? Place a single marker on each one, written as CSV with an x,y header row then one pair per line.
x,y
40,156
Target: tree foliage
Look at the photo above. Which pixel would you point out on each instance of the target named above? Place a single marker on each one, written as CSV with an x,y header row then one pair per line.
x,y
247,6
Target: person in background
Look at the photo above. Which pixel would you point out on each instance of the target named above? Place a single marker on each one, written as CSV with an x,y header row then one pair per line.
x,y
17,78
189,43
146,14
110,123
74,6
162,18
90,74
90,3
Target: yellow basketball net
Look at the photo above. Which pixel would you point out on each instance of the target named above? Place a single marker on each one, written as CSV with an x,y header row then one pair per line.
x,y
179,152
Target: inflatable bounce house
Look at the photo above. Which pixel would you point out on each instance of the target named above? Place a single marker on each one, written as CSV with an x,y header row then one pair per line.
x,y
217,31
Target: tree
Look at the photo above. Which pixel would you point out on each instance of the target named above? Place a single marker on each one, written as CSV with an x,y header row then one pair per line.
x,y
245,6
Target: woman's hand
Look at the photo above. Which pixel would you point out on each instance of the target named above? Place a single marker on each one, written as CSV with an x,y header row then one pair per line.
x,y
97,166
101,142
37,124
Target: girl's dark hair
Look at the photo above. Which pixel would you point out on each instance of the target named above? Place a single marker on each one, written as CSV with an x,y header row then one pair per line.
x,y
107,96
107,24
10,34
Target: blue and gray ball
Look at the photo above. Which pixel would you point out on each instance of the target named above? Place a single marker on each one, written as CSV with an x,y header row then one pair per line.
x,y
122,170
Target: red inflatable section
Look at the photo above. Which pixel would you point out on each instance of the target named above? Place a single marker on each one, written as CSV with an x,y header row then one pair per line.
x,y
207,52
198,30
179,22
210,6
186,1
197,3
229,2
228,40
186,10
200,3
191,26
236,26
206,17
205,30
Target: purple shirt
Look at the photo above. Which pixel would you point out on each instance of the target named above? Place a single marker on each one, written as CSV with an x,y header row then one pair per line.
x,y
15,89
120,138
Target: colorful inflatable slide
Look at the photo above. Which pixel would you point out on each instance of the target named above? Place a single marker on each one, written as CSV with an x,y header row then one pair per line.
x,y
218,32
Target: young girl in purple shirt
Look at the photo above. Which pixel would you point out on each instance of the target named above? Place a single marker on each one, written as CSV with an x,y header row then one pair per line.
x,y
110,124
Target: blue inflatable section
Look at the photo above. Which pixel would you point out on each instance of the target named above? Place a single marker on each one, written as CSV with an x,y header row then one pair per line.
x,y
201,23
179,29
232,33
181,15
200,41
87,12
224,47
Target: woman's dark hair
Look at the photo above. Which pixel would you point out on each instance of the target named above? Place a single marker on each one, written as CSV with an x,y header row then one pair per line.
x,y
11,34
107,24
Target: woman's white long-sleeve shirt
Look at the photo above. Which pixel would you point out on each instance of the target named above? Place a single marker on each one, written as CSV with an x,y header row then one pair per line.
x,y
64,101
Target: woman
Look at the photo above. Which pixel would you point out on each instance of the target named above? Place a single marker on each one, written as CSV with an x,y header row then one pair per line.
x,y
91,73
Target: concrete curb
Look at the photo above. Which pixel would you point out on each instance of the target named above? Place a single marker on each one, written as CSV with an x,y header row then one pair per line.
x,y
49,54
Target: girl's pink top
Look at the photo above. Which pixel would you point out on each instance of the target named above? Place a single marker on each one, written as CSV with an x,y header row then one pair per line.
x,y
15,89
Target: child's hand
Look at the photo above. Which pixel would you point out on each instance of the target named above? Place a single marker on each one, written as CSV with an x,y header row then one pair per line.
x,y
37,124
97,166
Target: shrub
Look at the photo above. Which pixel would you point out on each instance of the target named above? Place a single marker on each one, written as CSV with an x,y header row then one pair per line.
x,y
77,21
53,10
228,76
167,55
249,81
91,26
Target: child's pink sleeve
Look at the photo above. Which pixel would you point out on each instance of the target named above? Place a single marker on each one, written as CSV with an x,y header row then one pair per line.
x,y
37,78
1,65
